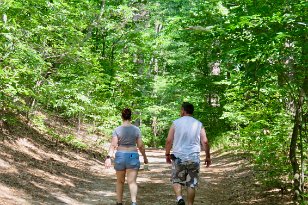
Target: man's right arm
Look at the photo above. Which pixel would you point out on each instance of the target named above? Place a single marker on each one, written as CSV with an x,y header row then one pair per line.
x,y
169,142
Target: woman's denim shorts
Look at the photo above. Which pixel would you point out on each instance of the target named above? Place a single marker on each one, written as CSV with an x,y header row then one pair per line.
x,y
126,160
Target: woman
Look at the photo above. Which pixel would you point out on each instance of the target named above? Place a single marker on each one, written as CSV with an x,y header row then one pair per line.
x,y
126,138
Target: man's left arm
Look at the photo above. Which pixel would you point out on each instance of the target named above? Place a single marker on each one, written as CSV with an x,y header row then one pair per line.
x,y
206,147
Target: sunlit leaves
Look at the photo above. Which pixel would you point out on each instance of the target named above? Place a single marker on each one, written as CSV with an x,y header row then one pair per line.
x,y
86,60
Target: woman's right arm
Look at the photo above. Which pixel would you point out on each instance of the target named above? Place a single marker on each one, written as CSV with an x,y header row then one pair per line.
x,y
113,146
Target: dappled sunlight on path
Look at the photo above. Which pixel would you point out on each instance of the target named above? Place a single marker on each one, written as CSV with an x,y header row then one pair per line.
x,y
229,181
33,173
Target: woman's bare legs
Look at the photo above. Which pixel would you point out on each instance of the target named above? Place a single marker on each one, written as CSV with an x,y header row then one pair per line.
x,y
132,183
120,185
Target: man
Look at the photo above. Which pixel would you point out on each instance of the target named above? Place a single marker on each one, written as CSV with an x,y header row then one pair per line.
x,y
185,136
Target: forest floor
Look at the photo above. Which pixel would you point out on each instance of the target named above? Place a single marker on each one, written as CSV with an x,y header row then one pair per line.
x,y
33,170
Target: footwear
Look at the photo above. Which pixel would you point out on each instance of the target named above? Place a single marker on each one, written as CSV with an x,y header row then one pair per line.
x,y
181,202
119,203
134,203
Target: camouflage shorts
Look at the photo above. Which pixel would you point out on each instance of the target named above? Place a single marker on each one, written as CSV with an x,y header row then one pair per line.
x,y
185,173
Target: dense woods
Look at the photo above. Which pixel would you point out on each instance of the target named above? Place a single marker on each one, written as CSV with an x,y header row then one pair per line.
x,y
242,63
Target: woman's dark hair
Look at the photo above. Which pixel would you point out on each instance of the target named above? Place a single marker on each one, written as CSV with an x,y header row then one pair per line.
x,y
188,108
126,114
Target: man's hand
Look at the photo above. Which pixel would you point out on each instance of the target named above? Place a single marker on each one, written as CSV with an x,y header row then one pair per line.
x,y
107,163
208,162
145,160
168,159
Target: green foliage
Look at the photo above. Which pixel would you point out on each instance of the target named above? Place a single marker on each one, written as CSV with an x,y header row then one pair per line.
x,y
70,140
241,63
74,142
38,120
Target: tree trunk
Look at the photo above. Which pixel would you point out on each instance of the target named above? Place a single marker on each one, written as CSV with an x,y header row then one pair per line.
x,y
302,163
293,145
94,23
155,131
79,124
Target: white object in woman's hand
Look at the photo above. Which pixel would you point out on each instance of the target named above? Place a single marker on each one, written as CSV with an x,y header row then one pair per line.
x,y
107,163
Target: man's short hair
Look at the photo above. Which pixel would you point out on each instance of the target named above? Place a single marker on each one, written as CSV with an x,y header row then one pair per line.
x,y
188,108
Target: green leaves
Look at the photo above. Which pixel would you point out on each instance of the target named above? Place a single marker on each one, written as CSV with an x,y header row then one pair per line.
x,y
239,62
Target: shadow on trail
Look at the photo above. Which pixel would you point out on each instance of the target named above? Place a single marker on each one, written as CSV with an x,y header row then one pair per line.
x,y
35,171
231,181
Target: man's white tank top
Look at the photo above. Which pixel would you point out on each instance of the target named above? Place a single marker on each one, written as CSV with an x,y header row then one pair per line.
x,y
186,142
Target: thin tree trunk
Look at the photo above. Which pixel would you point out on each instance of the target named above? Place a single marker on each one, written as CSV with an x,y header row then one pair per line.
x,y
79,124
33,100
89,33
302,164
95,23
104,45
304,168
293,145
154,127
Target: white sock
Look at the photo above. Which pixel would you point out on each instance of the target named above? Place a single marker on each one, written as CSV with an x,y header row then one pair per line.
x,y
178,198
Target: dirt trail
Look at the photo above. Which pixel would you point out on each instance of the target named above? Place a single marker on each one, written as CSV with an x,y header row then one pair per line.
x,y
36,173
